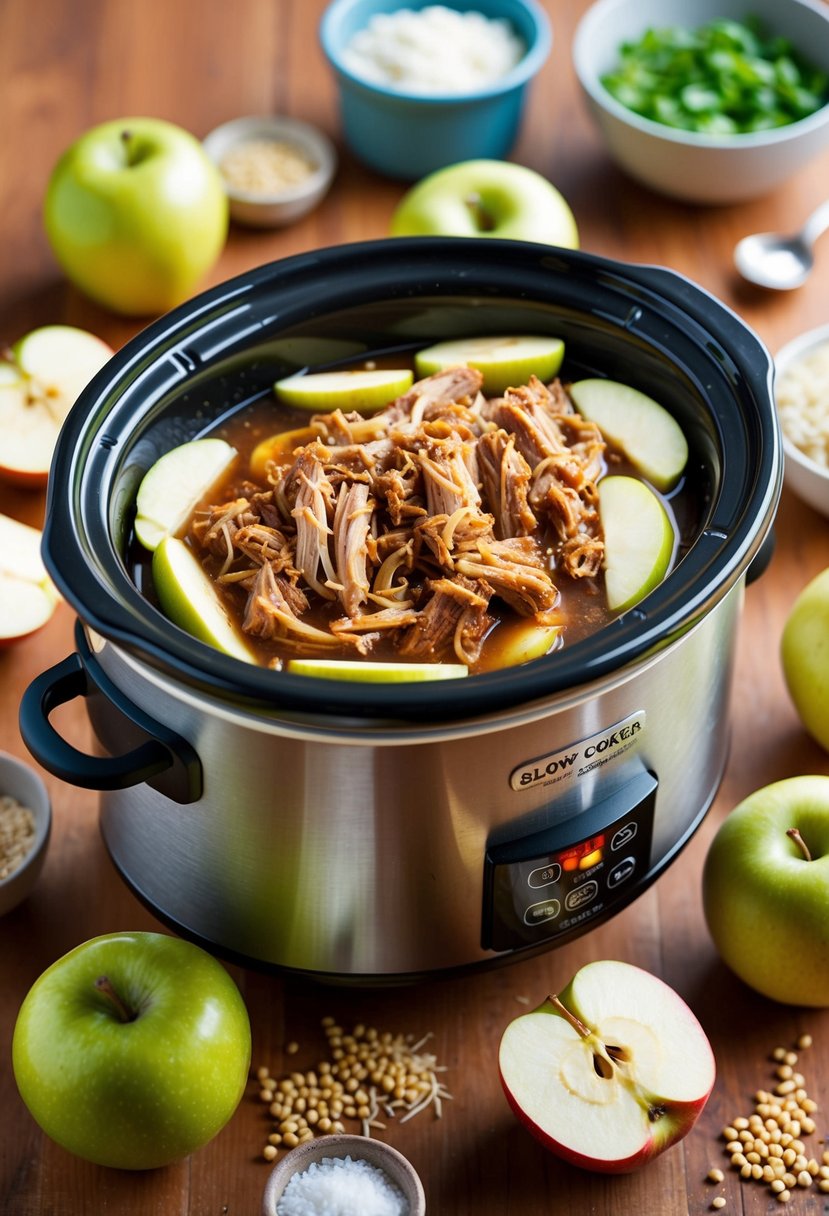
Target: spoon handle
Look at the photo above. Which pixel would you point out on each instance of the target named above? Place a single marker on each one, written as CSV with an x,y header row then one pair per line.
x,y
816,224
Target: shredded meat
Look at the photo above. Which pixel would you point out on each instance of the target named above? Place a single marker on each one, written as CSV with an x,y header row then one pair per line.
x,y
417,526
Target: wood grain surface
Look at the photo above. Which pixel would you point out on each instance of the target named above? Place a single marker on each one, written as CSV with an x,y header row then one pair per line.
x,y
66,66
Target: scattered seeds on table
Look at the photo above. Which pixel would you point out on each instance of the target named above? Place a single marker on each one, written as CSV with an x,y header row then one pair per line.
x,y
767,1146
368,1077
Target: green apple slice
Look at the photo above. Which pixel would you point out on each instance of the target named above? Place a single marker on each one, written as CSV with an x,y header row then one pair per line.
x,y
649,436
639,540
360,389
175,484
375,673
503,361
189,599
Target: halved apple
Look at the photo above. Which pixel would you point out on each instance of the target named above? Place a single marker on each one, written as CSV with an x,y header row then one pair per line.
x,y
40,380
172,487
611,1072
504,361
363,389
28,597
639,540
375,673
189,599
649,436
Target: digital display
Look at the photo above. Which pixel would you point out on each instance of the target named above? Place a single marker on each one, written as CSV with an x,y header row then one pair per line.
x,y
583,855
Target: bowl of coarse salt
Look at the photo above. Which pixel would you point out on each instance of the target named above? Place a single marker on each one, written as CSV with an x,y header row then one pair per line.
x,y
801,392
425,85
342,1175
25,825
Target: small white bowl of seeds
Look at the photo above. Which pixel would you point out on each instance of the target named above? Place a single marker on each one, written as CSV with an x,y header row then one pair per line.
x,y
802,398
275,170
25,825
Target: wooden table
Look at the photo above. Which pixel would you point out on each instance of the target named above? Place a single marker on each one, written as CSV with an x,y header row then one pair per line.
x,y
64,67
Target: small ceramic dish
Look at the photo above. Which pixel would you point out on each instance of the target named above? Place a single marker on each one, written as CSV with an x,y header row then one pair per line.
x,y
19,780
394,1165
275,170
804,476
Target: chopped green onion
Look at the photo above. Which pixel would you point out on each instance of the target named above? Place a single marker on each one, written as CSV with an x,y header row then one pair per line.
x,y
726,77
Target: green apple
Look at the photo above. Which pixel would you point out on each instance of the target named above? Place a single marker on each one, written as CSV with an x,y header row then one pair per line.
x,y
189,598
609,1073
375,673
172,488
365,389
28,597
503,361
40,379
649,436
132,1050
765,890
804,651
639,540
494,198
136,213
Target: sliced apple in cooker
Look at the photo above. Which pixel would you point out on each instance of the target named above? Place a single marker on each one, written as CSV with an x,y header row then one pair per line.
x,y
649,436
362,389
639,540
375,672
504,361
173,487
190,600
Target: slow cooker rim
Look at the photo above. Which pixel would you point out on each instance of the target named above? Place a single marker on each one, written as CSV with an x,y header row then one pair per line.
x,y
709,570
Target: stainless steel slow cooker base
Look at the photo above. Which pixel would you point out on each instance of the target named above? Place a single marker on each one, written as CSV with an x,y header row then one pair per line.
x,y
377,851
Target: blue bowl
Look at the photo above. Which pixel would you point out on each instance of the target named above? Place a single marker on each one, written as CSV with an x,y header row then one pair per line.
x,y
407,135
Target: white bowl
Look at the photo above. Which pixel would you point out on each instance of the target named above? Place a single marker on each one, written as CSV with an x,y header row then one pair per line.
x,y
687,165
22,782
277,209
803,476
397,1168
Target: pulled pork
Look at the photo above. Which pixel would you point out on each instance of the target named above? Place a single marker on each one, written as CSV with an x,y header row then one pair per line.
x,y
413,526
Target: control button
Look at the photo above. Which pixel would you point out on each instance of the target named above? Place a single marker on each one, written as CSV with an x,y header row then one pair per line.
x,y
582,895
545,875
623,836
539,914
621,872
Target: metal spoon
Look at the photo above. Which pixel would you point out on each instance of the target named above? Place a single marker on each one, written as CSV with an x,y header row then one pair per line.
x,y
770,259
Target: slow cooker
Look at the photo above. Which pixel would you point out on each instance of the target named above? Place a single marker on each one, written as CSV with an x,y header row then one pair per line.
x,y
373,832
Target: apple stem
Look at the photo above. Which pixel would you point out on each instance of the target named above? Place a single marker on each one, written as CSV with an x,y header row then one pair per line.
x,y
577,1024
482,218
104,986
800,842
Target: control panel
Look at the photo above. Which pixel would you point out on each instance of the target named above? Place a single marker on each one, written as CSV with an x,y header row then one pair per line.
x,y
552,882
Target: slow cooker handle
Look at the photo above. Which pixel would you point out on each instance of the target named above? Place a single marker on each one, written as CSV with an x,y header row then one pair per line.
x,y
161,758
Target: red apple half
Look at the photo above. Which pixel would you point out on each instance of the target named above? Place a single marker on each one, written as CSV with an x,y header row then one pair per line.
x,y
27,595
611,1072
40,380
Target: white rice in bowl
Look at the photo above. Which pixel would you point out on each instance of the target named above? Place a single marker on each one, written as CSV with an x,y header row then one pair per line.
x,y
802,393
